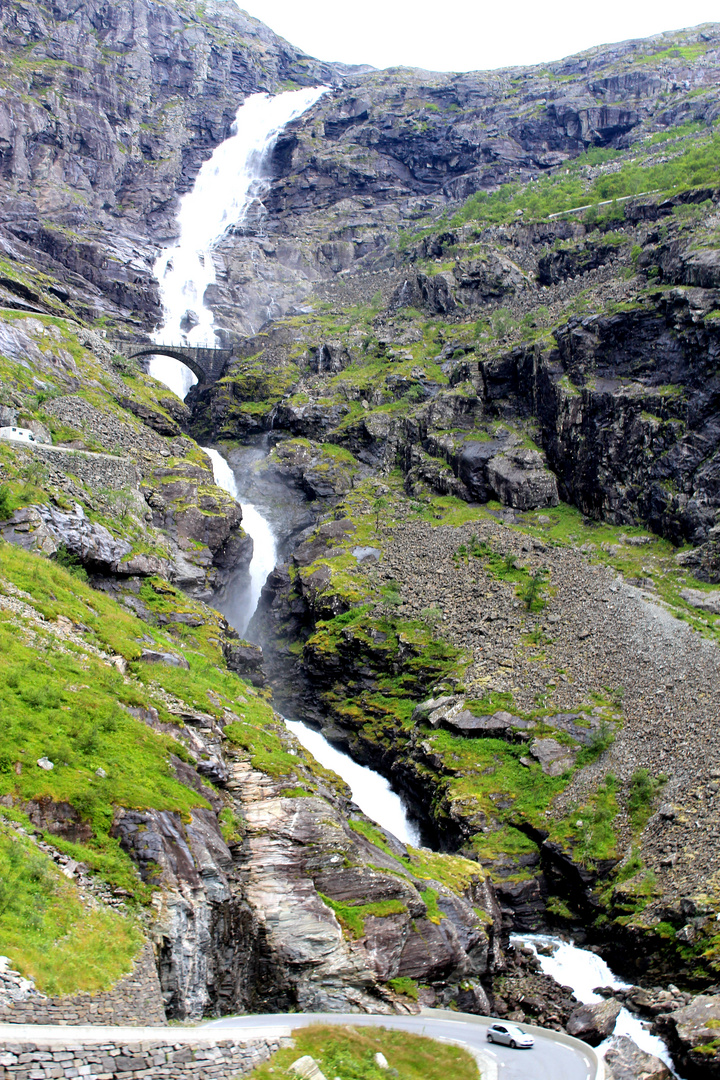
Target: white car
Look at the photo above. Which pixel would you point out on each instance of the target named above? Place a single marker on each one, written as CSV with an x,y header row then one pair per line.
x,y
509,1035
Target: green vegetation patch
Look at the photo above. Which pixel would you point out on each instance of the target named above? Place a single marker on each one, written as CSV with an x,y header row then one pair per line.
x,y
49,933
352,916
404,985
644,790
350,1053
266,749
453,871
695,166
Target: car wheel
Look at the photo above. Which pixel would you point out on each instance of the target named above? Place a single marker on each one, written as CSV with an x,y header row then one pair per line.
x,y
513,1044
489,1037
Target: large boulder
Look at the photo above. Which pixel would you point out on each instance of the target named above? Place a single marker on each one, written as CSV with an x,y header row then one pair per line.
x,y
595,1022
627,1061
473,467
517,476
554,757
693,1035
521,479
488,278
46,529
433,294
245,659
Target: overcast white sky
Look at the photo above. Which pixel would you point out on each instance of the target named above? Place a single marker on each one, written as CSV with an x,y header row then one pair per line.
x,y
461,35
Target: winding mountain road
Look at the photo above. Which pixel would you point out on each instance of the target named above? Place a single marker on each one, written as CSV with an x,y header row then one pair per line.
x,y
553,1057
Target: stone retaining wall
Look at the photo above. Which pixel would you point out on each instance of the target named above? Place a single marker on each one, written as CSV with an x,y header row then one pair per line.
x,y
96,471
164,1060
135,999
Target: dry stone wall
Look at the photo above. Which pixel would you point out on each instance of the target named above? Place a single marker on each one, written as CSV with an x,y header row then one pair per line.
x,y
135,999
171,1058
94,470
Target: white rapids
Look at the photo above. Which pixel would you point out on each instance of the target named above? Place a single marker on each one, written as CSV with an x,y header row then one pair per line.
x,y
224,190
581,969
264,545
370,791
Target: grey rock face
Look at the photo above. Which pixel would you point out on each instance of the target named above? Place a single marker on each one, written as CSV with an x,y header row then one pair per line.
x,y
593,1023
245,659
691,1033
248,923
521,480
43,528
80,153
628,1062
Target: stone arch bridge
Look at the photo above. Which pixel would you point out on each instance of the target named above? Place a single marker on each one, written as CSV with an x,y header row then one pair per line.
x,y
206,364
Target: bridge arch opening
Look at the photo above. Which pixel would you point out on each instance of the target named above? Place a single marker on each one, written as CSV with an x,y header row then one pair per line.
x,y
173,368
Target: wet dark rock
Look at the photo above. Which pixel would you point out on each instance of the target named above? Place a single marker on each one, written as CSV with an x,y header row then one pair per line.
x,y
433,294
520,479
593,1023
329,358
246,660
558,265
525,994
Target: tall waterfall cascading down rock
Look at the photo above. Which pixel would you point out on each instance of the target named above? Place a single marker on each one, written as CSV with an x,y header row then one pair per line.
x,y
407,338
224,191
371,791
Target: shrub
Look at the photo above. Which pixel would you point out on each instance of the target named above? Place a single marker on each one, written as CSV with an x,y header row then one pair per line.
x,y
644,789
532,593
69,560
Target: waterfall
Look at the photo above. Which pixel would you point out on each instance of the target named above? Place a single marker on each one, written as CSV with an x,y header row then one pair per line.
x,y
583,971
224,190
243,604
370,791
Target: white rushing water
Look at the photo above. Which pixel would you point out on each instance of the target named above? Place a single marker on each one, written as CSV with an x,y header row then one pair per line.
x,y
264,545
224,190
581,969
370,790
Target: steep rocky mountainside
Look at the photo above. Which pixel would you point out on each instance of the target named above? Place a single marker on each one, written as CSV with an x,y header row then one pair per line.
x,y
476,369
506,349
140,746
107,113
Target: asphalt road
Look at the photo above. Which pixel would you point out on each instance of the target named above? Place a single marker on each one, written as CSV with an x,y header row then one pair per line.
x,y
549,1059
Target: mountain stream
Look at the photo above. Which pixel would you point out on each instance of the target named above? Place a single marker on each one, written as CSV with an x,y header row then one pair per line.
x,y
223,192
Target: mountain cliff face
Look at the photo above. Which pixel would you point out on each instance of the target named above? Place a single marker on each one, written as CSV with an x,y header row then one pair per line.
x,y
107,114
476,334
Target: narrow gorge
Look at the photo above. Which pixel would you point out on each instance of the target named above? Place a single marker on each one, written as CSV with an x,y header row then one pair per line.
x,y
360,517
